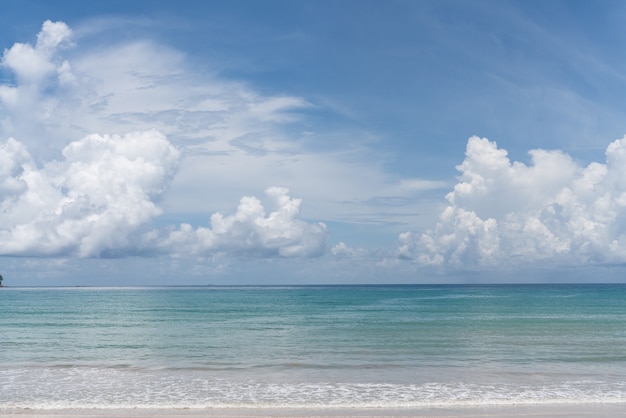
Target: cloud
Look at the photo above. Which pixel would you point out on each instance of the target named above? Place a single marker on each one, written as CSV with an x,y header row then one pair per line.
x,y
250,231
44,84
94,202
224,129
96,196
32,64
57,202
131,86
87,204
504,213
342,250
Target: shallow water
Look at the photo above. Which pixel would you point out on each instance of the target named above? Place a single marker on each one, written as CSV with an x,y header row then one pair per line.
x,y
385,346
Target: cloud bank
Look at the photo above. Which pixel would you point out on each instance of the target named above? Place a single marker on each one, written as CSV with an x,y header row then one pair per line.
x,y
96,196
94,201
504,213
71,83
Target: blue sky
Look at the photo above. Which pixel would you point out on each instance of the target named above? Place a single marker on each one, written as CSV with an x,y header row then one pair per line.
x,y
312,142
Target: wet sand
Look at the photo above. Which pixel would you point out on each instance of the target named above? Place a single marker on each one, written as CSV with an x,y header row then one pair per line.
x,y
535,411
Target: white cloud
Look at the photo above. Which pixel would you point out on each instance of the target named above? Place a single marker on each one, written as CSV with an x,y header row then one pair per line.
x,y
228,130
94,202
509,213
44,84
342,250
95,196
135,86
31,64
147,85
251,232
87,204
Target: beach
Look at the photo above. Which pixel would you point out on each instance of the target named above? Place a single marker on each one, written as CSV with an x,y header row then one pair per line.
x,y
535,411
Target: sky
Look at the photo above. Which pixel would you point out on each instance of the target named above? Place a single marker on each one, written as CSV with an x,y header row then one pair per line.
x,y
312,142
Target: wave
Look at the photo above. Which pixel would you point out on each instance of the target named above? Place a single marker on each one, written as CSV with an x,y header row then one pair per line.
x,y
67,388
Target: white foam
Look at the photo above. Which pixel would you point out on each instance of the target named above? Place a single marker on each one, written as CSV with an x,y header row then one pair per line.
x,y
74,387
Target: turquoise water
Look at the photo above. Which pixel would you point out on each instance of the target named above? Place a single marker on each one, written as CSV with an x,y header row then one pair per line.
x,y
350,346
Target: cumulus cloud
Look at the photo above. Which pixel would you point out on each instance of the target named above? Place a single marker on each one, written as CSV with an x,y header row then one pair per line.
x,y
250,231
87,204
342,250
32,64
43,83
94,202
508,213
86,80
96,196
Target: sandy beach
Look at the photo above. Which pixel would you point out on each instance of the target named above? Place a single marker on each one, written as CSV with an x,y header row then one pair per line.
x,y
536,411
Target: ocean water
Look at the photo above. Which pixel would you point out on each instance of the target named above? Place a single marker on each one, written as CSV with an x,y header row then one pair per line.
x,y
317,346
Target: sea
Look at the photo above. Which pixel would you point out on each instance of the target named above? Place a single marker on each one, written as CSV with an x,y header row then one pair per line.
x,y
312,346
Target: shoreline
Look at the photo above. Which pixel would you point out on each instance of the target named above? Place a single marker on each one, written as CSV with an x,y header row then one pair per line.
x,y
492,411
